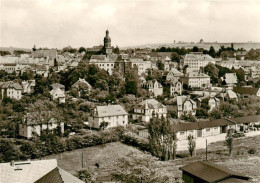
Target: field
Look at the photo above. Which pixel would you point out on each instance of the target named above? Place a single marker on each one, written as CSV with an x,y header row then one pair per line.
x,y
107,156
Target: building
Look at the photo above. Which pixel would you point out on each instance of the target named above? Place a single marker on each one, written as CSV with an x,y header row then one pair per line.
x,y
230,79
58,92
246,91
50,55
140,64
82,86
33,123
204,171
154,87
176,88
210,100
185,105
28,86
104,62
196,60
38,171
173,75
107,44
11,90
196,80
115,115
144,110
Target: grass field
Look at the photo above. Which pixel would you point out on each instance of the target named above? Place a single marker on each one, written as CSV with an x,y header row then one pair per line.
x,y
107,156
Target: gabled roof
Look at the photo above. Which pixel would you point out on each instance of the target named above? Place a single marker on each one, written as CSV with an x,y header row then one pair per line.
x,y
58,175
246,119
197,75
81,81
246,90
57,85
150,103
210,172
110,110
182,99
11,84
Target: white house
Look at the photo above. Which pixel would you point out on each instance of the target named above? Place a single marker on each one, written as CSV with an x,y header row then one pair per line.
x,y
80,85
197,60
11,90
196,80
28,86
185,105
32,123
104,62
173,75
176,88
58,92
141,65
145,110
230,78
154,87
115,115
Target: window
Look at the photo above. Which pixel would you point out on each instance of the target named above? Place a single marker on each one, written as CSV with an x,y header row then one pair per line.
x,y
182,133
207,129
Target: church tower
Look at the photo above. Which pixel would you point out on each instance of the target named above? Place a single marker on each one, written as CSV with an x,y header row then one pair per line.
x,y
107,44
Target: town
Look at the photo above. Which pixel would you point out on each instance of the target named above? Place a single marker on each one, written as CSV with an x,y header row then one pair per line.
x,y
178,112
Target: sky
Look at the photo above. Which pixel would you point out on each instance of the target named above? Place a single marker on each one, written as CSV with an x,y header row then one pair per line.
x,y
60,23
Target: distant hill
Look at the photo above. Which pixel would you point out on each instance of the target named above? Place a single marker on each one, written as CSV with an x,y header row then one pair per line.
x,y
206,45
11,49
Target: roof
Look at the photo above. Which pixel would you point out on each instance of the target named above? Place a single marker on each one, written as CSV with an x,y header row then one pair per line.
x,y
210,172
182,99
11,84
110,110
57,85
59,175
230,78
149,104
26,171
197,75
231,94
81,81
246,119
200,57
246,90
202,124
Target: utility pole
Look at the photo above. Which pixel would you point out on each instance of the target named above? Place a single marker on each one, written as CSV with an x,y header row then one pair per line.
x,y
206,149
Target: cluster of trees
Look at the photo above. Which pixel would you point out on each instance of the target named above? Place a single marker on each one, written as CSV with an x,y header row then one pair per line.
x,y
51,143
3,53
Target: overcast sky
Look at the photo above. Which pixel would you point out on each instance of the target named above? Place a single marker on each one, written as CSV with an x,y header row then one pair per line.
x,y
59,23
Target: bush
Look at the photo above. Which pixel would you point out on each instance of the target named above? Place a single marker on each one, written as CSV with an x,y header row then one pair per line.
x,y
237,135
135,140
251,151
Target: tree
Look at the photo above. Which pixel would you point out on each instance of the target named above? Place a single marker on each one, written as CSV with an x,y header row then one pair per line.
x,y
162,138
138,168
229,141
188,117
116,50
82,49
160,65
103,125
212,71
195,49
175,57
212,52
201,113
191,144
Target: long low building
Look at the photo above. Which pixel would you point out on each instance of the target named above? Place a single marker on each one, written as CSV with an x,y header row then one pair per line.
x,y
213,127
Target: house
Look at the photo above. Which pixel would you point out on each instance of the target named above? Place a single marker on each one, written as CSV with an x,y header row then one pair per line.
x,y
227,54
230,79
58,92
10,89
140,64
38,171
247,91
145,110
28,86
240,55
210,100
41,70
185,105
176,88
245,123
196,60
104,62
82,86
196,80
115,115
173,75
204,171
230,95
33,123
154,87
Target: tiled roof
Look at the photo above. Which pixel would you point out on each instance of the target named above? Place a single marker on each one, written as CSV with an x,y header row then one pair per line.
x,y
152,104
210,172
11,84
182,99
110,110
197,75
246,119
57,85
246,90
58,175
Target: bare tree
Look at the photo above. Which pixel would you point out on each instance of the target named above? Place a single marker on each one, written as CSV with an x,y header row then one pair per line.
x,y
191,144
229,141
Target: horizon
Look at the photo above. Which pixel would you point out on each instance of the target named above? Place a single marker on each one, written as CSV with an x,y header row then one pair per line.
x,y
60,23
